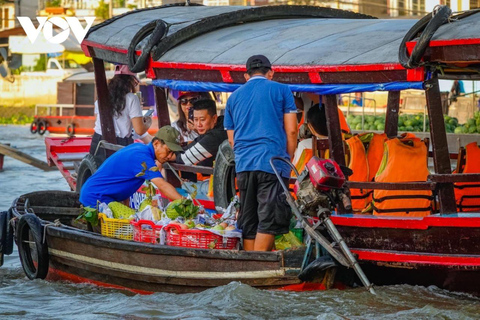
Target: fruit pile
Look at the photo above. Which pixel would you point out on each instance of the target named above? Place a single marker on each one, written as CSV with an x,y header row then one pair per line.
x,y
414,123
471,126
371,123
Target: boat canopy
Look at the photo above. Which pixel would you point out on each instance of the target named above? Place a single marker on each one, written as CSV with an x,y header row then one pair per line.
x,y
312,49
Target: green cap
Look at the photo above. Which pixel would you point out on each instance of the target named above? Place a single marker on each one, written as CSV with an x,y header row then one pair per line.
x,y
170,136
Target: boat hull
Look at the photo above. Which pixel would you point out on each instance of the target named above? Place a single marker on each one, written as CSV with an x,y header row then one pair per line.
x,y
435,250
83,256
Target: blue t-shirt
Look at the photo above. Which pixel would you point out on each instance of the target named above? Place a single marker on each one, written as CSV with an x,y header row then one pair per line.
x,y
255,112
116,179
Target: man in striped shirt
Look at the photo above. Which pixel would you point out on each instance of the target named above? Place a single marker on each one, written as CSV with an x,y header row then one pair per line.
x,y
203,150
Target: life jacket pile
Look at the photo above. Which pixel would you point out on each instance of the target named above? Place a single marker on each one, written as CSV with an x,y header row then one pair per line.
x,y
403,161
364,164
467,195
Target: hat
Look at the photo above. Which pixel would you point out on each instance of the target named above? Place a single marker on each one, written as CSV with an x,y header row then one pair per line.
x,y
184,93
123,69
170,136
258,61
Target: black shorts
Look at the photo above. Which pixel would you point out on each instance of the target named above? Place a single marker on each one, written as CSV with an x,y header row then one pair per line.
x,y
263,206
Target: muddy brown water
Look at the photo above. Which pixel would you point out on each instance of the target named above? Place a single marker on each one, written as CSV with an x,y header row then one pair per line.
x,y
21,298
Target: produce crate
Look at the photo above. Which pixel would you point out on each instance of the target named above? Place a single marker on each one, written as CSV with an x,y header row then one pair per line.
x,y
202,239
146,231
116,228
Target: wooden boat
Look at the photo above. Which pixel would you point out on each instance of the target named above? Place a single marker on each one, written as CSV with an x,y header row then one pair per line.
x,y
316,50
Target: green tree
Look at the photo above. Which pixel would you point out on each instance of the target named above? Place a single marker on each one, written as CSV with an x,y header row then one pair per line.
x,y
41,63
102,10
54,3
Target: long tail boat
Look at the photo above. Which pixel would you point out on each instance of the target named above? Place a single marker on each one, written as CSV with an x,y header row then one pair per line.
x,y
316,50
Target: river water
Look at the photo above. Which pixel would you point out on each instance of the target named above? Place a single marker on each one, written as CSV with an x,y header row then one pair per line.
x,y
21,298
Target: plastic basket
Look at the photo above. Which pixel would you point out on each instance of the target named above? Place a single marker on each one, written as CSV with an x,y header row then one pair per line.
x,y
146,231
116,228
202,239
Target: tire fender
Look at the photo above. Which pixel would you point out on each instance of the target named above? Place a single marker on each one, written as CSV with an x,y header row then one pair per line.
x,y
87,168
29,224
428,25
42,126
34,127
71,130
224,175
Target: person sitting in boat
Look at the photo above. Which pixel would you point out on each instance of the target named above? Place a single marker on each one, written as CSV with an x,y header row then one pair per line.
x,y
125,171
185,124
317,124
203,150
126,110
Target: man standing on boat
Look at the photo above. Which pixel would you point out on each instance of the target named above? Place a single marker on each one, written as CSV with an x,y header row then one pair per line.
x,y
261,123
126,170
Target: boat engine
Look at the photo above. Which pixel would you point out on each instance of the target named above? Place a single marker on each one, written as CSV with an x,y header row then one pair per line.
x,y
321,184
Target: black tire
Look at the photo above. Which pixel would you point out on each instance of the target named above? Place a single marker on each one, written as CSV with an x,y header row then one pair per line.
x,y
30,231
8,244
3,234
42,126
158,29
34,127
224,175
87,168
428,25
71,130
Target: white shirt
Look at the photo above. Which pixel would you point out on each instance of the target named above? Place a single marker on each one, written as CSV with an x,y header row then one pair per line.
x,y
123,123
187,136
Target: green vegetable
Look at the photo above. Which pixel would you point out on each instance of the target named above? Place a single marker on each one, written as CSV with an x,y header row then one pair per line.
x,y
89,215
183,208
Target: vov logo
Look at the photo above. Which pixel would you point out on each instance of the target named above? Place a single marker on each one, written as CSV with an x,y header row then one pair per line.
x,y
67,24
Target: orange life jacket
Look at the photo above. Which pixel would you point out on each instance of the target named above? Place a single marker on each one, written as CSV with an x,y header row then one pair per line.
x,y
343,122
358,164
375,154
467,194
404,163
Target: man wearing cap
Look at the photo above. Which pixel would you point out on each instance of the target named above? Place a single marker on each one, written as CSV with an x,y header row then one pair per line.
x,y
261,123
124,172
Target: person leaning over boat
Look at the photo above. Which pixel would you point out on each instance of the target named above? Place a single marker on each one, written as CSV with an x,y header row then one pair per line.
x,y
127,110
261,123
203,150
124,172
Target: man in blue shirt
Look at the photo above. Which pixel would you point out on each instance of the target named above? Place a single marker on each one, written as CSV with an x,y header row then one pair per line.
x,y
126,170
261,123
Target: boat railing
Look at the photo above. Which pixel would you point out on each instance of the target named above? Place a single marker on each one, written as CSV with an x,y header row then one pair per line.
x,y
52,109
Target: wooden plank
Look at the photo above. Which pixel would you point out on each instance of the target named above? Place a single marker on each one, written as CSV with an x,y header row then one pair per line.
x,y
334,132
195,169
463,177
438,134
21,156
391,121
391,186
335,140
162,107
104,107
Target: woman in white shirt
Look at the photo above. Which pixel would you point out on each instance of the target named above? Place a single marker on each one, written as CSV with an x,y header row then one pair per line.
x,y
127,110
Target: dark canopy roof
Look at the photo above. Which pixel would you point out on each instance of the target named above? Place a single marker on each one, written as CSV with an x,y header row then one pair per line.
x,y
303,45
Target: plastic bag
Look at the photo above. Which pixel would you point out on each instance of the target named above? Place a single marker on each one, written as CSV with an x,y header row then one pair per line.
x,y
286,241
103,208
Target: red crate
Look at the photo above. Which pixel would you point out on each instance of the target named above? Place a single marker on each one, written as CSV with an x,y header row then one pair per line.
x,y
146,231
202,239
